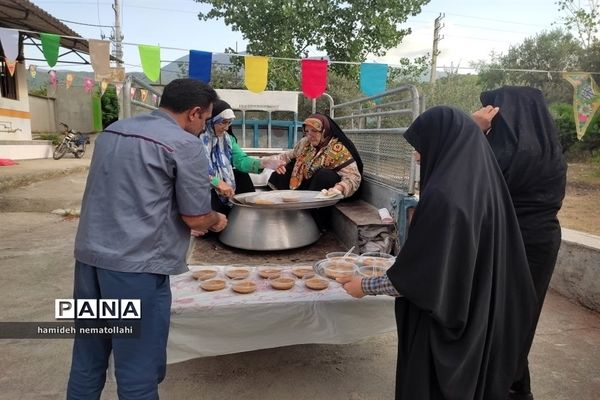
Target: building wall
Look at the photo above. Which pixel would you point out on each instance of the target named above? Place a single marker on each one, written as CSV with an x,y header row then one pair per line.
x,y
42,114
15,118
74,107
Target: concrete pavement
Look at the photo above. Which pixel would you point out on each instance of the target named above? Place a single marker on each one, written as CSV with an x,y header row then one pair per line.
x,y
36,265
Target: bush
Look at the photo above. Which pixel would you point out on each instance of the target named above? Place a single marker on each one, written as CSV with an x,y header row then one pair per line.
x,y
589,145
54,137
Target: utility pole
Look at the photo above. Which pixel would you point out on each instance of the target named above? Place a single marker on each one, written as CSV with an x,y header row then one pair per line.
x,y
436,38
117,36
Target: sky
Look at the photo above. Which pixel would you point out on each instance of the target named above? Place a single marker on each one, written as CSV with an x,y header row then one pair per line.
x,y
472,29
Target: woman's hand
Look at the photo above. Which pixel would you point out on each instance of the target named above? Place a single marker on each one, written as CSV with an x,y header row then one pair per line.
x,y
352,286
483,117
274,164
225,190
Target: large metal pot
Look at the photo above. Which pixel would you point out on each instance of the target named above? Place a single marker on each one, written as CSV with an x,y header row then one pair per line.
x,y
278,225
253,228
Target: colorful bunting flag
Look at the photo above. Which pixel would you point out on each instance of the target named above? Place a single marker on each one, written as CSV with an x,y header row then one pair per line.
x,y
10,44
11,65
143,94
150,58
154,99
53,78
103,86
88,84
256,70
69,80
100,56
586,99
132,93
200,65
117,74
373,78
314,77
118,87
33,70
50,45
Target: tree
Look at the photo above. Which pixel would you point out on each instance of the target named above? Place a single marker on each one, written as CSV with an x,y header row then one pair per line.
x,y
345,30
110,106
584,22
555,50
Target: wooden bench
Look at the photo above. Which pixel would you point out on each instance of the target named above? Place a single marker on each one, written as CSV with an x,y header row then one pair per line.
x,y
357,223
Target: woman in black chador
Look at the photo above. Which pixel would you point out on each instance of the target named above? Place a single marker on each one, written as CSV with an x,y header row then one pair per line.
x,y
525,141
465,299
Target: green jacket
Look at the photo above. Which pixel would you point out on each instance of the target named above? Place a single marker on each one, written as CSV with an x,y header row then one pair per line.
x,y
242,161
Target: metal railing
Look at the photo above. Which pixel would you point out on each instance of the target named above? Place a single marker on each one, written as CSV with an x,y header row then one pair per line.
x,y
375,125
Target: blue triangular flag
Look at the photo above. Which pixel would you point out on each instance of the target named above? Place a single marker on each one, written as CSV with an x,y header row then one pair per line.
x,y
373,78
200,65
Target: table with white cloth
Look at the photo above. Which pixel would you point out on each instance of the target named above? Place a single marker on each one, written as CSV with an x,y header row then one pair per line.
x,y
224,322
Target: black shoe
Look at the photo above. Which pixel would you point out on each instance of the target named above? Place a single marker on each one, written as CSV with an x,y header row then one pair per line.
x,y
512,395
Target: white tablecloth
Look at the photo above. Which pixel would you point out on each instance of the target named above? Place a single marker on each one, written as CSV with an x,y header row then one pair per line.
x,y
224,322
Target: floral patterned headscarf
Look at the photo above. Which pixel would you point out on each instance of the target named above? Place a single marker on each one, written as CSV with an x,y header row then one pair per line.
x,y
335,151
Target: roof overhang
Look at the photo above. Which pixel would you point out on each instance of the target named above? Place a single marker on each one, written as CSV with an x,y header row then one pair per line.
x,y
29,19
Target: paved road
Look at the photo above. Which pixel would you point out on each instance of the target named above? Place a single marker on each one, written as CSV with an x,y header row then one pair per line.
x,y
36,267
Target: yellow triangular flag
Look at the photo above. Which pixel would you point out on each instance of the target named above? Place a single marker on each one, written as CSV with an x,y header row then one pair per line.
x,y
103,86
586,99
143,94
256,71
69,80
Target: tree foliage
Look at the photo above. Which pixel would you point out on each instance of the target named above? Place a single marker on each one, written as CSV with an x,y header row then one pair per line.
x,y
110,106
585,22
554,50
345,30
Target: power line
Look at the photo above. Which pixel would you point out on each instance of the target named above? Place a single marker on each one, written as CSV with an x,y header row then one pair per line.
x,y
83,23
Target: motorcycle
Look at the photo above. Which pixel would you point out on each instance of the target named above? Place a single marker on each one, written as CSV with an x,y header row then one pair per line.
x,y
73,142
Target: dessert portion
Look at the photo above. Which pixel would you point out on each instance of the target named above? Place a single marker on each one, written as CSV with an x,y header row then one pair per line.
x,y
316,283
290,198
339,269
303,271
244,287
370,272
204,274
377,259
282,283
211,285
237,272
262,200
269,272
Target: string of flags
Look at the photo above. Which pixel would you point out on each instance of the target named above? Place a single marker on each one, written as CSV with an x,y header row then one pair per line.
x,y
313,78
314,73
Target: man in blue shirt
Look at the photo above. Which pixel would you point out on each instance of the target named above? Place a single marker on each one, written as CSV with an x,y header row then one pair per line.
x,y
148,185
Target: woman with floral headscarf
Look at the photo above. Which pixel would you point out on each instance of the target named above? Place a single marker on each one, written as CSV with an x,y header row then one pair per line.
x,y
323,159
228,165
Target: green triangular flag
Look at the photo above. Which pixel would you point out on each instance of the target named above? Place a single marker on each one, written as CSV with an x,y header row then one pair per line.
x,y
50,45
150,57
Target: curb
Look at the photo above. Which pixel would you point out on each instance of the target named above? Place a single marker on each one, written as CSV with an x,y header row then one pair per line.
x,y
19,180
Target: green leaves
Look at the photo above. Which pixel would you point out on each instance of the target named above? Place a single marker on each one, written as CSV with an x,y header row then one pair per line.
x,y
344,30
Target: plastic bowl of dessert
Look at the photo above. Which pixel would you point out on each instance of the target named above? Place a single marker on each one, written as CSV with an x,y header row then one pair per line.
x,y
371,271
301,271
268,272
284,281
237,271
342,256
335,268
243,286
376,259
316,282
204,273
213,284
